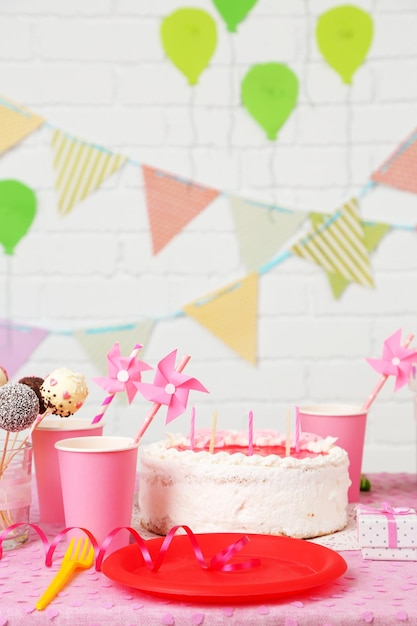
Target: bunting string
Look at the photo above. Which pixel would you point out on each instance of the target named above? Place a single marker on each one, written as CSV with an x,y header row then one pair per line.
x,y
340,243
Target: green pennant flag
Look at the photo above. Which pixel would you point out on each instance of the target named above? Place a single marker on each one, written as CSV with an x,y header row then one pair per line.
x,y
98,342
373,233
261,231
338,245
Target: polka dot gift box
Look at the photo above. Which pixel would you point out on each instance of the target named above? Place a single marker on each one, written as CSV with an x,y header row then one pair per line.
x,y
388,533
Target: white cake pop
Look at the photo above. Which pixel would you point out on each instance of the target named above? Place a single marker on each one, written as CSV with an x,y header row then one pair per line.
x,y
64,392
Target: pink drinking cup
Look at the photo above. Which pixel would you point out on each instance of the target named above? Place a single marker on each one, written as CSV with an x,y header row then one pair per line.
x,y
45,456
98,484
347,423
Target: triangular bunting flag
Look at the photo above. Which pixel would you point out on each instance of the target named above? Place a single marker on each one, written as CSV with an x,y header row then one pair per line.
x,y
17,343
80,168
400,169
373,233
338,246
172,204
261,231
97,343
16,123
231,314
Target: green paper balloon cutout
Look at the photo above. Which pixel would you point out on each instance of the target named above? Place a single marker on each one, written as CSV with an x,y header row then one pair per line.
x,y
17,211
344,36
269,94
189,38
234,11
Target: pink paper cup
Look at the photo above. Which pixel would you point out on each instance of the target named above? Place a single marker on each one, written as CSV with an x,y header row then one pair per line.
x,y
347,423
98,484
45,456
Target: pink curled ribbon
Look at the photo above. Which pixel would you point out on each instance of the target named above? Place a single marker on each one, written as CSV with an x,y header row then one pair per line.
x,y
219,562
389,512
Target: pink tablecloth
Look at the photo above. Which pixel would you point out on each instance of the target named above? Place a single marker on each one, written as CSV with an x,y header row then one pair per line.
x,y
378,592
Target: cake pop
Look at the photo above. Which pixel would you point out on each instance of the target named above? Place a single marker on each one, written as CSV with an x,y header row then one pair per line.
x,y
3,376
19,407
64,392
35,382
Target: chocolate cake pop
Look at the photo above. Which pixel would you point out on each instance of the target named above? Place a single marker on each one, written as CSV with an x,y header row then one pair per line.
x,y
64,392
3,376
19,407
34,382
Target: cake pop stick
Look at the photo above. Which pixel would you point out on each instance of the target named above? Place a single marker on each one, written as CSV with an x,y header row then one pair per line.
x,y
13,450
383,379
156,406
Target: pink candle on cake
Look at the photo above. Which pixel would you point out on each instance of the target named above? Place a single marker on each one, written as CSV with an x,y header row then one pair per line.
x,y
297,428
250,435
192,428
288,437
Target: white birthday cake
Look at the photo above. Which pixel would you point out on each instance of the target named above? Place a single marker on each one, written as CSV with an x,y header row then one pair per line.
x,y
302,494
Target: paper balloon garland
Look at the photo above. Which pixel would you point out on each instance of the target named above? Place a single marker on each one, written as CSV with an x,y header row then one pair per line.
x,y
269,93
17,211
344,35
234,11
189,38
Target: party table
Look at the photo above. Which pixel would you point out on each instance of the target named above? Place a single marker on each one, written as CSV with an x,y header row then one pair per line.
x,y
369,592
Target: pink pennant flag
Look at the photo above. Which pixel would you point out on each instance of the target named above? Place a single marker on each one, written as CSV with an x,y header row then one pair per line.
x,y
172,203
17,344
400,169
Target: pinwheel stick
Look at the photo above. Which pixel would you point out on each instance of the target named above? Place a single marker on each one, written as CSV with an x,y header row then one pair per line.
x,y
109,398
382,380
156,406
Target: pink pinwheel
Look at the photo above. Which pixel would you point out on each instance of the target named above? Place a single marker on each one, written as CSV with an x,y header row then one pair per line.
x,y
397,360
170,387
124,373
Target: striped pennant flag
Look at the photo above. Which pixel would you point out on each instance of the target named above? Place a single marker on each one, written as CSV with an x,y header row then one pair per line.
x,y
81,168
338,245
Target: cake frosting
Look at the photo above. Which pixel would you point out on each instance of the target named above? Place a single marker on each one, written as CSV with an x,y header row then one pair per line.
x,y
302,495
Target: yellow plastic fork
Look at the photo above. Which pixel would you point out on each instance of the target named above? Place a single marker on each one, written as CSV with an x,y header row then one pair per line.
x,y
78,558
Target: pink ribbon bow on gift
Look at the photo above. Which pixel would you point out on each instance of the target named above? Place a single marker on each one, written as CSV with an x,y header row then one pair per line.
x,y
389,512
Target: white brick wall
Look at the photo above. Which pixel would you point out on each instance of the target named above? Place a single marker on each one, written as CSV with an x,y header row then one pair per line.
x,y
97,70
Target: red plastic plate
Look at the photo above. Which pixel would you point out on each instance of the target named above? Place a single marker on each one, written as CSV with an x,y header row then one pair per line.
x,y
287,566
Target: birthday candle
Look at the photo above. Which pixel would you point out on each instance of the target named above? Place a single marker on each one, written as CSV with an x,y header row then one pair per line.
x,y
213,432
287,444
250,447
297,428
192,428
